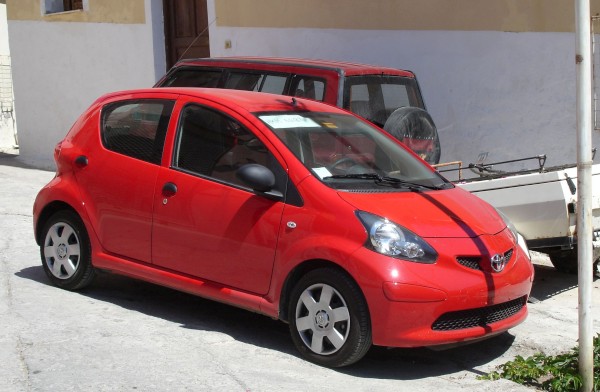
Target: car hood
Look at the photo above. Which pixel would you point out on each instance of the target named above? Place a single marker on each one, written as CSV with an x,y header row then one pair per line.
x,y
450,213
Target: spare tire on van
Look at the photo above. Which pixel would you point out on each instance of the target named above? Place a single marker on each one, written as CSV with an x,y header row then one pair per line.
x,y
414,127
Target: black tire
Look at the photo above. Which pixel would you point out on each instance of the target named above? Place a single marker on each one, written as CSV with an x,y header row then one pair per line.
x,y
66,251
341,318
415,127
566,261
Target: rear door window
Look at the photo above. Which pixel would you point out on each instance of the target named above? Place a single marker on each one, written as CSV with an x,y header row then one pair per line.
x,y
136,128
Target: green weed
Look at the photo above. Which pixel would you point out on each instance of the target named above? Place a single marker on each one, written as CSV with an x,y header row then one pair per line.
x,y
558,373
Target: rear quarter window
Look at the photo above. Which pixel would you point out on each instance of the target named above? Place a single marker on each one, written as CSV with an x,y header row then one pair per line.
x,y
136,128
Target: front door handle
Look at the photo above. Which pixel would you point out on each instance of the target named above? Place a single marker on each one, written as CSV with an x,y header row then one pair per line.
x,y
169,189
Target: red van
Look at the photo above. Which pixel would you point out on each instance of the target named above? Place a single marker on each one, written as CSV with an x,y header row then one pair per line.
x,y
388,97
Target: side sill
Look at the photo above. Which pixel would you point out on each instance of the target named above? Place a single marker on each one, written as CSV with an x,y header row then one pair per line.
x,y
205,289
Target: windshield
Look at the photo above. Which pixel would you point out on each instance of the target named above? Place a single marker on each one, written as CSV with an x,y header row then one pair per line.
x,y
347,153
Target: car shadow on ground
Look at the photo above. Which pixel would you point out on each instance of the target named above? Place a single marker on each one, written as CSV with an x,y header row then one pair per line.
x,y
199,314
419,363
549,282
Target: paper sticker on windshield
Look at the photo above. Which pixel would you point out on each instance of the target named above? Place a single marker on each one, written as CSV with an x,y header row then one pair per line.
x,y
322,172
282,121
329,125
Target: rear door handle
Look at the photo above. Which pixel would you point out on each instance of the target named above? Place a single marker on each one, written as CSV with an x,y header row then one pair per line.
x,y
169,189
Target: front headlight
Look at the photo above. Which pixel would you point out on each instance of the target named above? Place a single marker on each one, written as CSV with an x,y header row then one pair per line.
x,y
509,224
518,237
523,244
393,240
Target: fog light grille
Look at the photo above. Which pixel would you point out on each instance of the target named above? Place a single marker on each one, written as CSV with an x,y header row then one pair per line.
x,y
479,317
469,262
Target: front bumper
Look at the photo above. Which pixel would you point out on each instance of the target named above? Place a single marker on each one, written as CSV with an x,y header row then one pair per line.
x,y
413,305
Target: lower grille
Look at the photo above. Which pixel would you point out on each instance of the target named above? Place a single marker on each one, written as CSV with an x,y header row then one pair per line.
x,y
479,317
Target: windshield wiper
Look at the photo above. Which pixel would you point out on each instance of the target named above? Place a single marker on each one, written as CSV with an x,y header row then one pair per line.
x,y
361,176
384,180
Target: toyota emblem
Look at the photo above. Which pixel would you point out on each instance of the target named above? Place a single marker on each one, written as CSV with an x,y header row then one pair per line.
x,y
498,262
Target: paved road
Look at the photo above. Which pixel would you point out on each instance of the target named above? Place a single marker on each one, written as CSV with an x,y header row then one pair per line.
x,y
125,335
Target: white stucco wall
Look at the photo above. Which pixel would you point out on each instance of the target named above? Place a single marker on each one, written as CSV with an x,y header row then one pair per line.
x,y
508,94
511,95
60,68
3,31
7,119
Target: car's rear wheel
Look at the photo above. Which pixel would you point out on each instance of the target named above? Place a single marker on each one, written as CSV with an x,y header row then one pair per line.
x,y
66,252
329,318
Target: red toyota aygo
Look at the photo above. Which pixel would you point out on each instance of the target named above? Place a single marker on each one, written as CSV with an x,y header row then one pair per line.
x,y
283,206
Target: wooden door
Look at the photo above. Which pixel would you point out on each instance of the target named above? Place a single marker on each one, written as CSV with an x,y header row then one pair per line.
x,y
186,30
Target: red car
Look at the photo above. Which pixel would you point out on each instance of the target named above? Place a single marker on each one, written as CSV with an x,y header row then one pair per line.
x,y
288,207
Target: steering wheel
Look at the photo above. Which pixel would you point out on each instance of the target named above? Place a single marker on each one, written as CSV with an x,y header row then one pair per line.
x,y
341,161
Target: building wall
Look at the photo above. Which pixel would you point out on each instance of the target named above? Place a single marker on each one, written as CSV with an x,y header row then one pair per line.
x,y
463,15
63,62
7,113
498,76
4,49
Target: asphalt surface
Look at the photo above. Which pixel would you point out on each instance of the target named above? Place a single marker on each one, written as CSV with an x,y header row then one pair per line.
x,y
125,335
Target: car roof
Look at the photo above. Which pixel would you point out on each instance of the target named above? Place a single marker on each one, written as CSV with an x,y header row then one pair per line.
x,y
250,101
341,67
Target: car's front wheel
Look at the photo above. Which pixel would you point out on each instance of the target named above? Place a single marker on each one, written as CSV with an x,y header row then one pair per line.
x,y
329,318
66,252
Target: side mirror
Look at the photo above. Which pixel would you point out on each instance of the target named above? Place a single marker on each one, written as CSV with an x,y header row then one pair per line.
x,y
259,179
